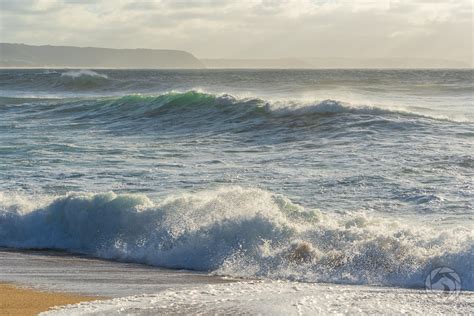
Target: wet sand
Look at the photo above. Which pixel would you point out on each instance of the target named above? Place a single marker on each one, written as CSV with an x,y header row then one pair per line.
x,y
21,301
61,272
34,281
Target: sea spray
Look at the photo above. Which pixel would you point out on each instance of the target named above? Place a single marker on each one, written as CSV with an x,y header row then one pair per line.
x,y
240,232
81,73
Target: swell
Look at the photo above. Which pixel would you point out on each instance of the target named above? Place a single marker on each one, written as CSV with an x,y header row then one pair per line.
x,y
52,82
240,232
198,105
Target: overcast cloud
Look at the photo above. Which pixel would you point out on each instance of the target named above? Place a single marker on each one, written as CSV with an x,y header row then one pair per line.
x,y
250,29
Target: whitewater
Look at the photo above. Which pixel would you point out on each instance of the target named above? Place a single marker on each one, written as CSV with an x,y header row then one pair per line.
x,y
321,186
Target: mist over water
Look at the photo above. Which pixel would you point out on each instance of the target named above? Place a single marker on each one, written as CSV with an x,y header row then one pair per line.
x,y
323,175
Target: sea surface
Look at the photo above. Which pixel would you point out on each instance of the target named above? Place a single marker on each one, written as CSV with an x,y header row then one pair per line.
x,y
338,176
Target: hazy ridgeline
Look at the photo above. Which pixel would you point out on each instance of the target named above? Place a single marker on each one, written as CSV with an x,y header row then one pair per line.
x,y
20,55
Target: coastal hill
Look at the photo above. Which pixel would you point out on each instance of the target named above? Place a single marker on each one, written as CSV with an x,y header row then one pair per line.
x,y
21,55
29,56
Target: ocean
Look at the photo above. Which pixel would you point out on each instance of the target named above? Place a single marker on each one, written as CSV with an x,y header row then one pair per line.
x,y
344,177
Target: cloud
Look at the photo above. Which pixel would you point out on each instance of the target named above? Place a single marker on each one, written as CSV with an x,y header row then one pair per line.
x,y
260,28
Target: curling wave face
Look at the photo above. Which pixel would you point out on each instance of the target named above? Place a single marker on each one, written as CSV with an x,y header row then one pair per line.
x,y
241,232
195,107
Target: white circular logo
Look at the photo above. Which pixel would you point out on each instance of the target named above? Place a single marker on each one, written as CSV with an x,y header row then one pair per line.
x,y
444,282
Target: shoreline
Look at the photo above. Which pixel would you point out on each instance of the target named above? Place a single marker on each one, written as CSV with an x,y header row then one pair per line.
x,y
63,272
18,300
107,287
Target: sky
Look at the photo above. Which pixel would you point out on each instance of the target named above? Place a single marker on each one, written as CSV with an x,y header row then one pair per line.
x,y
441,29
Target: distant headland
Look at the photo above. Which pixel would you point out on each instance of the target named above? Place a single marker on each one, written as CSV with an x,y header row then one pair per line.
x,y
48,56
21,55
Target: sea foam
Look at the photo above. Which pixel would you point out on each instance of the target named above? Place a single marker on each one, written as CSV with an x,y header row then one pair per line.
x,y
241,232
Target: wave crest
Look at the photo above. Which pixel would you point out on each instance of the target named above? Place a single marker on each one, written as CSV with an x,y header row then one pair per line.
x,y
82,80
239,232
218,108
327,107
82,73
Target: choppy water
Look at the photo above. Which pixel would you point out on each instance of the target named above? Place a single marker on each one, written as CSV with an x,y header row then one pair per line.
x,y
323,175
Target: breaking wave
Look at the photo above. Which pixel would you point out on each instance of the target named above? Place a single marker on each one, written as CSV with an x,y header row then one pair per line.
x,y
195,105
235,231
82,73
81,80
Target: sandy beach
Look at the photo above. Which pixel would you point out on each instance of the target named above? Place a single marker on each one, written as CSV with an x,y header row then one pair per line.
x,y
22,301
